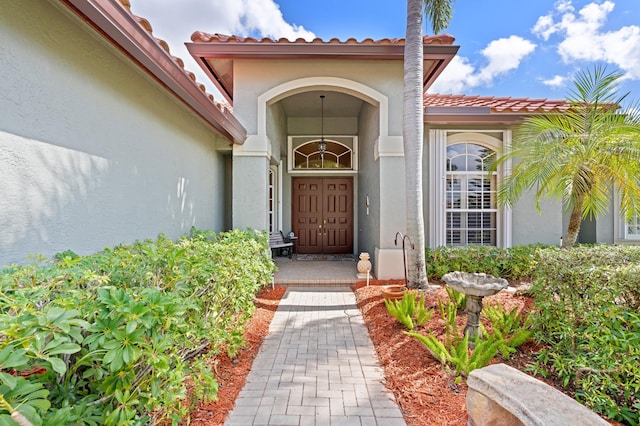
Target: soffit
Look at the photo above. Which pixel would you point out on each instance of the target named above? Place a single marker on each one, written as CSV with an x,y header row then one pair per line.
x,y
216,53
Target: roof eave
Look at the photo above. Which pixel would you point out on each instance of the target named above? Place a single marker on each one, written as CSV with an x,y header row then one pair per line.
x,y
441,58
122,29
440,54
481,116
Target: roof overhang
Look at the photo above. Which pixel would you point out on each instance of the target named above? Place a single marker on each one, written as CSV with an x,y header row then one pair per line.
x,y
476,116
216,54
121,28
455,110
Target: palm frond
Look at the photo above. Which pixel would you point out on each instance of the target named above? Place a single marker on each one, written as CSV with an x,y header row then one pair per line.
x,y
439,13
581,154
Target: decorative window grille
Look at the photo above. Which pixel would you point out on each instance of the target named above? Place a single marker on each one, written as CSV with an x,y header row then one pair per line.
x,y
337,156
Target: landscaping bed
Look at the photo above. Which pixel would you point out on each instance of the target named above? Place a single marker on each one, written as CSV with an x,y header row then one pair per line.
x,y
425,391
91,329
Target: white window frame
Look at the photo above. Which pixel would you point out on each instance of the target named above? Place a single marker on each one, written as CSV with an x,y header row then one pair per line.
x,y
273,199
294,142
464,210
439,140
621,226
629,236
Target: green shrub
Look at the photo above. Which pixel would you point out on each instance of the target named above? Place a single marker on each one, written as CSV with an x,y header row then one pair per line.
x,y
411,308
111,338
587,301
512,263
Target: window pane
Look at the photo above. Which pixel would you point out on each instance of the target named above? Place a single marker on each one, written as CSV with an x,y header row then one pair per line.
x,y
471,202
633,227
336,156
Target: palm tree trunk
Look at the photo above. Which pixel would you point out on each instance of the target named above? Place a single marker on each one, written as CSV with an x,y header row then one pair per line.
x,y
413,133
575,220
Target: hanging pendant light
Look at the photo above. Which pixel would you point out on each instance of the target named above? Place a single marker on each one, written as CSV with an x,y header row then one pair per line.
x,y
322,145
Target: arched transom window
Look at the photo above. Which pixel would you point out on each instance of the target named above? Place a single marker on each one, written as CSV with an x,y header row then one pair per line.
x,y
471,208
336,156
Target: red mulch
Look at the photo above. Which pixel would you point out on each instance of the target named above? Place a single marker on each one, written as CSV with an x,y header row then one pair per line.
x,y
426,392
231,373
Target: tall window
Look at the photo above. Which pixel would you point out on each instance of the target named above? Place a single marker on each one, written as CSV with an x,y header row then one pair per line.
x,y
272,200
471,209
632,230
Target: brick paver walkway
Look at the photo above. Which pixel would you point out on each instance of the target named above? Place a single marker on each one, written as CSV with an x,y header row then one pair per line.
x,y
316,367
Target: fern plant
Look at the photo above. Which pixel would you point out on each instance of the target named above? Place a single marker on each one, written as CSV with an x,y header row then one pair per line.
x,y
509,327
449,313
409,309
458,298
455,352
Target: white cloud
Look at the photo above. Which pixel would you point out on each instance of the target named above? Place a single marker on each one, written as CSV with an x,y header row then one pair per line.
x,y
175,21
502,55
555,82
582,36
545,27
456,78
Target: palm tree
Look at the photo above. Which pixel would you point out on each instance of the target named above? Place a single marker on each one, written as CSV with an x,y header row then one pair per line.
x,y
439,13
580,155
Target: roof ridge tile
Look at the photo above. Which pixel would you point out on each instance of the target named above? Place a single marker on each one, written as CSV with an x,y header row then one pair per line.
x,y
204,37
505,104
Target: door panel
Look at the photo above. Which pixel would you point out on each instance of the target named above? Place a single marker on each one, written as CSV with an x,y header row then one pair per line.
x,y
322,215
307,215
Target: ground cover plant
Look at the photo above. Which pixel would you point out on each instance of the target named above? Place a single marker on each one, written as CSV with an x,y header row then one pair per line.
x,y
588,318
115,338
516,263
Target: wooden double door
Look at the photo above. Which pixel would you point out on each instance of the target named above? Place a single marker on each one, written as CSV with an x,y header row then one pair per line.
x,y
322,215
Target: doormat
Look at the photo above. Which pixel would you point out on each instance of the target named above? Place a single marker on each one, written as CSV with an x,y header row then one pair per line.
x,y
327,257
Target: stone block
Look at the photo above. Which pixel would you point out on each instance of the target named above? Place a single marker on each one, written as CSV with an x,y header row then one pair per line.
x,y
500,395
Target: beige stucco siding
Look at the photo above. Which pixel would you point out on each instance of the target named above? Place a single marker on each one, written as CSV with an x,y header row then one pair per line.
x,y
93,152
257,77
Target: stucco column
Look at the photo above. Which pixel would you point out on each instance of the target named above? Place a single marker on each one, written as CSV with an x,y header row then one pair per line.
x,y
388,260
250,184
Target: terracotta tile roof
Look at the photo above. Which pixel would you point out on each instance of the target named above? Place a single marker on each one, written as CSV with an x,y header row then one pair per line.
x,y
202,37
216,53
224,107
497,104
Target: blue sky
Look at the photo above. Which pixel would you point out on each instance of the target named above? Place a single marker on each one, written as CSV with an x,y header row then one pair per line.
x,y
528,48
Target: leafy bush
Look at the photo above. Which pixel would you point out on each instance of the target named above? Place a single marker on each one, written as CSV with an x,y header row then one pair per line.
x,y
512,263
587,302
409,309
111,338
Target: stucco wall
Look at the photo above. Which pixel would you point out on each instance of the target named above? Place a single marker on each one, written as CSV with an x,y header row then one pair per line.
x,y
530,227
257,77
93,153
368,182
250,195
